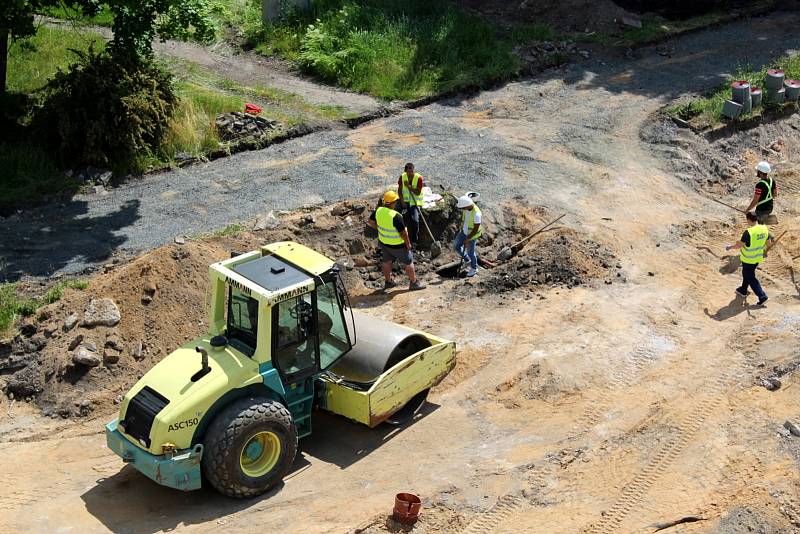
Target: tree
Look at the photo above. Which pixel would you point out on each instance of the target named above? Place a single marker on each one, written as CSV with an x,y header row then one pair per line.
x,y
138,22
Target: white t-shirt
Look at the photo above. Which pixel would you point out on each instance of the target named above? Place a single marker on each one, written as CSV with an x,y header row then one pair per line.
x,y
466,222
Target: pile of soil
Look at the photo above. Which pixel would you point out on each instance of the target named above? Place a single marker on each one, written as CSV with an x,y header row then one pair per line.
x,y
70,369
561,258
723,162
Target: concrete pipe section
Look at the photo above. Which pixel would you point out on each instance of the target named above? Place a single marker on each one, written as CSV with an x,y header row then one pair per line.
x,y
741,95
774,80
755,96
792,89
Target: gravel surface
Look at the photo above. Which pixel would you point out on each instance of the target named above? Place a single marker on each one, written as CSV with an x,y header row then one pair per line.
x,y
541,138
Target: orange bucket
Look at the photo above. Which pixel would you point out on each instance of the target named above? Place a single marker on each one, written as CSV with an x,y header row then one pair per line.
x,y
406,508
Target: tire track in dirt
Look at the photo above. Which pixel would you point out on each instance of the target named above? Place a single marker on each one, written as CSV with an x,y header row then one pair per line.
x,y
635,366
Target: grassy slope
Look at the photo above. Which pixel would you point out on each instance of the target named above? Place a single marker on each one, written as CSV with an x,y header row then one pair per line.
x,y
392,49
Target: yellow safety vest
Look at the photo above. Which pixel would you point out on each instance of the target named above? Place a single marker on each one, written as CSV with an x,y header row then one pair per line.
x,y
768,196
469,218
758,244
408,197
387,233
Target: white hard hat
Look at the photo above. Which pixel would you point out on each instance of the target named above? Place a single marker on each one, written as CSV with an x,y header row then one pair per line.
x,y
763,166
473,195
464,202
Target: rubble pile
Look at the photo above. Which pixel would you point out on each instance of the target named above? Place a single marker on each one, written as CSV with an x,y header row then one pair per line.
x,y
239,126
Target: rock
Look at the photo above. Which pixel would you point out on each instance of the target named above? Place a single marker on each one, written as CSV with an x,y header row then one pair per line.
x,y
771,384
345,263
307,220
180,240
355,246
90,345
110,356
340,210
147,299
633,22
75,342
150,287
266,221
136,351
27,330
85,357
104,178
360,261
584,54
375,275
792,428
113,342
49,330
101,312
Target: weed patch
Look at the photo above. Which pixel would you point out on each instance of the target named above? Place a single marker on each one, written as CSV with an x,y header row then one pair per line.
x,y
13,305
393,49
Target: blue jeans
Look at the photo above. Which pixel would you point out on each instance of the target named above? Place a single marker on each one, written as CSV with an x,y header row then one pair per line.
x,y
749,279
466,249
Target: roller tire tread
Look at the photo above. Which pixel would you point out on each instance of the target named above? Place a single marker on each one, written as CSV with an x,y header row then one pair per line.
x,y
222,435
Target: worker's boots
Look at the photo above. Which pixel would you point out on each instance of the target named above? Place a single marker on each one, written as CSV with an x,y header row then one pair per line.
x,y
416,286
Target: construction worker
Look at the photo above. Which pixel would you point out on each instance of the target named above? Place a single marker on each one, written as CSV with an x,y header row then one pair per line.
x,y
766,191
409,188
752,250
394,241
469,233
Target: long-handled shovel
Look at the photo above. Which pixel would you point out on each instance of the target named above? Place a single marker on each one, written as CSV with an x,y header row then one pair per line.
x,y
436,249
509,252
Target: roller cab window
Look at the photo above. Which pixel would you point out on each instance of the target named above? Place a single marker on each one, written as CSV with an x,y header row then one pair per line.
x,y
242,321
334,339
294,344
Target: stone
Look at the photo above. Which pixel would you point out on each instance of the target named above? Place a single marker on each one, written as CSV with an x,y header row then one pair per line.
x,y
104,178
113,342
147,299
771,384
360,261
49,330
150,287
98,189
90,345
340,210
180,240
266,221
355,246
584,54
375,275
75,342
792,428
85,357
101,312
136,351
345,263
110,356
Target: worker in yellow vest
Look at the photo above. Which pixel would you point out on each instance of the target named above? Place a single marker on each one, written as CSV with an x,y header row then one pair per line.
x,y
471,229
765,193
393,241
409,188
752,250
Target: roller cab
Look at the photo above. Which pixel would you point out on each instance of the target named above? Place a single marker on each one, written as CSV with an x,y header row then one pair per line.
x,y
229,407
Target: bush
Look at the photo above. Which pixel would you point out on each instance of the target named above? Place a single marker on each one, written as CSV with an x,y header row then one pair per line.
x,y
106,113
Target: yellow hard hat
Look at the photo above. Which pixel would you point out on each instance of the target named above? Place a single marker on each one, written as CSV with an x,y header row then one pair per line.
x,y
389,197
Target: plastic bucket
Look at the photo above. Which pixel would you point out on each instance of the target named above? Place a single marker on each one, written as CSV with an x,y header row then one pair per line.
x,y
406,508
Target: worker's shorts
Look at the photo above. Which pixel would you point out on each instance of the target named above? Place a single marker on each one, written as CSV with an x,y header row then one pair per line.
x,y
401,254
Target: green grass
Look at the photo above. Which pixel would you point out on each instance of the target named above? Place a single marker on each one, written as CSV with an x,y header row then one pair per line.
x,y
227,231
707,111
13,305
33,61
103,18
393,49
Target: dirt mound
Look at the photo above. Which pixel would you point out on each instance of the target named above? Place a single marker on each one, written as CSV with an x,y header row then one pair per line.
x,y
726,165
566,16
561,259
537,382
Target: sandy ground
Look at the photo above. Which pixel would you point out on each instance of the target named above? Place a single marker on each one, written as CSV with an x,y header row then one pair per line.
x,y
602,408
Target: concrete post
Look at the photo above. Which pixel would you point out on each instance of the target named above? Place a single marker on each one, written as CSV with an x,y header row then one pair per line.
x,y
273,10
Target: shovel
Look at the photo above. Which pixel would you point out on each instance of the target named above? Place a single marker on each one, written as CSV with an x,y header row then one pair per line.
x,y
436,249
508,252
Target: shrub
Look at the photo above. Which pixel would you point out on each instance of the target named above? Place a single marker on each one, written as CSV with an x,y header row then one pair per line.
x,y
105,112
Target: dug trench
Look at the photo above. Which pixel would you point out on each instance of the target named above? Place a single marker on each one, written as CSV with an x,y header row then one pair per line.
x,y
71,366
